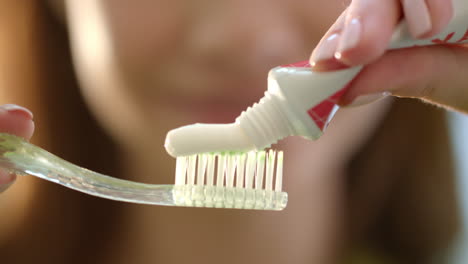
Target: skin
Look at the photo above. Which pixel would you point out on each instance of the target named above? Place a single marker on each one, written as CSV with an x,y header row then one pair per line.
x,y
206,62
438,82
17,121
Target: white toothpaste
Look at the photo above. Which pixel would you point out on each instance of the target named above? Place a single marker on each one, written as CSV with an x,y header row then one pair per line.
x,y
298,101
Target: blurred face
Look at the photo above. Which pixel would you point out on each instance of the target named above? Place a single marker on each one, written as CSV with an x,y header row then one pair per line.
x,y
149,66
154,65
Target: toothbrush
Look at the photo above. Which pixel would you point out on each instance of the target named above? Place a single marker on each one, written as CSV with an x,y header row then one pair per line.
x,y
241,180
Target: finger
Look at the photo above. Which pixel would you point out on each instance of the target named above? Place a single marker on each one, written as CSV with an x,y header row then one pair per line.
x,y
426,18
417,17
368,28
16,120
441,12
6,180
434,74
323,56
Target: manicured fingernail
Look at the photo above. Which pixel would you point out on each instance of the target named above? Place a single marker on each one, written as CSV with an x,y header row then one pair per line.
x,y
417,17
349,38
12,108
367,99
325,50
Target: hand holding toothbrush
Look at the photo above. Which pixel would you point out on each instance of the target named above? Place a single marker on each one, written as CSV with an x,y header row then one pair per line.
x,y
360,36
18,121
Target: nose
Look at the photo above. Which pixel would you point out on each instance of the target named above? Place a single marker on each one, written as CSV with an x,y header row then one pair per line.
x,y
245,35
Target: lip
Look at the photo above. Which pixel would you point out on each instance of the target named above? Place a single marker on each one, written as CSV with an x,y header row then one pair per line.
x,y
208,95
208,103
198,79
213,90
210,110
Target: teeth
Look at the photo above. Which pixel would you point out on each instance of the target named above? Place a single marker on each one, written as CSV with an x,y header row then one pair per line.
x,y
242,180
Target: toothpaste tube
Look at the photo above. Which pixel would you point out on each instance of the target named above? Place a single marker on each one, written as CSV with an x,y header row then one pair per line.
x,y
298,101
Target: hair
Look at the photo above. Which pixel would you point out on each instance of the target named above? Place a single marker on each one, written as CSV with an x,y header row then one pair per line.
x,y
407,161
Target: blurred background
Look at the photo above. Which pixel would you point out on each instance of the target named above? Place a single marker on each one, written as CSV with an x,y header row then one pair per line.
x,y
106,80
459,130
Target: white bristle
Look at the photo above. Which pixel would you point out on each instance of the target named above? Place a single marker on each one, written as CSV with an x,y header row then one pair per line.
x,y
243,180
279,173
181,170
210,170
270,166
230,170
192,162
240,170
250,170
221,169
201,168
260,170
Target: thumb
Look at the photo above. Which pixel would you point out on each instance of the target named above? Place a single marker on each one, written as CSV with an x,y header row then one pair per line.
x,y
436,74
6,180
15,120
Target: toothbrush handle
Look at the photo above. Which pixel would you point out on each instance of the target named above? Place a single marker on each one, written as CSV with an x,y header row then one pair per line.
x,y
22,158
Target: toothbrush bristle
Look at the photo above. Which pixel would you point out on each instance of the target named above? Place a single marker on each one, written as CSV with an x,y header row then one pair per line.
x,y
243,180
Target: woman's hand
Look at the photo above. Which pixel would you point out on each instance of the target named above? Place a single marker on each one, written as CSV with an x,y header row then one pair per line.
x,y
18,121
361,35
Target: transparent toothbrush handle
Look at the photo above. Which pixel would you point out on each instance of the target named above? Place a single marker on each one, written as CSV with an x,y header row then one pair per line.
x,y
21,157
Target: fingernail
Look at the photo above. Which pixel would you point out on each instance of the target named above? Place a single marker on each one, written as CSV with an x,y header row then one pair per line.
x,y
325,50
367,99
5,186
418,17
349,38
6,180
16,109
